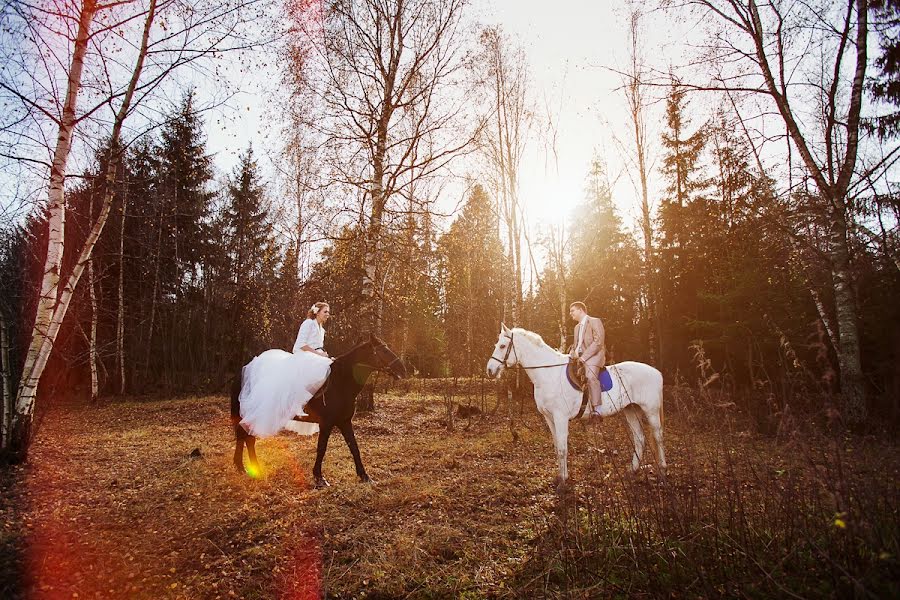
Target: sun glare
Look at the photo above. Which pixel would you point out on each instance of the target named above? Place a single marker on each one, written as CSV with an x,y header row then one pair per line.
x,y
550,201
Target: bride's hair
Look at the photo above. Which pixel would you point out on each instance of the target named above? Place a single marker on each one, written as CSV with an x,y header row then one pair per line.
x,y
314,310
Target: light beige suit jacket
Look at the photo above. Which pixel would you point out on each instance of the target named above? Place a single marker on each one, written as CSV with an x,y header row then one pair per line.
x,y
593,346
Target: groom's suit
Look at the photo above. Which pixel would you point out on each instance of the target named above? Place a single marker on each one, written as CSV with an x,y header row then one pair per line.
x,y
590,347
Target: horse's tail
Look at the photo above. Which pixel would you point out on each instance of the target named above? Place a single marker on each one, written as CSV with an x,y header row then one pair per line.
x,y
662,419
236,398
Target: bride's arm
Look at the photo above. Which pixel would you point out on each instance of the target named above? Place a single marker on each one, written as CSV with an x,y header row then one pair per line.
x,y
305,338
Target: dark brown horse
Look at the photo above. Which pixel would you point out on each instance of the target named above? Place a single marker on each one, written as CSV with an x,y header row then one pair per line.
x,y
334,405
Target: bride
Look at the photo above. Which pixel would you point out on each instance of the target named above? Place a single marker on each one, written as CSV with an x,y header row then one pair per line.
x,y
276,385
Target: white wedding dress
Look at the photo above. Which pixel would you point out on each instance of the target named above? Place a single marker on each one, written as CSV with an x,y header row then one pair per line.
x,y
276,385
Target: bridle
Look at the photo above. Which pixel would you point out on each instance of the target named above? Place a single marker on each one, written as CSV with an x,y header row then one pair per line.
x,y
377,348
511,349
506,357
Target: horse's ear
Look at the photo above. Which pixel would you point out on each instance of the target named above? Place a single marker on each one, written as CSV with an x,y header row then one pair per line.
x,y
504,328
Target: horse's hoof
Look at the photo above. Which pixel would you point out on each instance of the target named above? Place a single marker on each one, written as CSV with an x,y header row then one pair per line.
x,y
322,483
367,480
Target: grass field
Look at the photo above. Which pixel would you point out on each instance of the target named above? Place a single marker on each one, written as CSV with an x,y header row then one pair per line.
x,y
112,504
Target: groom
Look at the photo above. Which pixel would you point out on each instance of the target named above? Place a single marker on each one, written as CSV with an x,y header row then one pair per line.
x,y
589,348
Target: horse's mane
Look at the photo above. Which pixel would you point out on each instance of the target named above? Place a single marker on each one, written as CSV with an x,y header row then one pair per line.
x,y
341,357
534,337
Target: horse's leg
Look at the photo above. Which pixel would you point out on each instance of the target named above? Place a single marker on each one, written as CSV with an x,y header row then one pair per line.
x,y
239,436
549,418
324,433
347,431
561,440
251,453
633,418
653,418
239,433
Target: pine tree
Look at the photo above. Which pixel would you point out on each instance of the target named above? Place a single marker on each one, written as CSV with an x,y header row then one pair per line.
x,y
185,175
606,265
472,277
143,252
250,252
885,86
683,217
410,296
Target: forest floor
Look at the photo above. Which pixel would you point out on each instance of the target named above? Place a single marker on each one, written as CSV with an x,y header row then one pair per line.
x,y
112,504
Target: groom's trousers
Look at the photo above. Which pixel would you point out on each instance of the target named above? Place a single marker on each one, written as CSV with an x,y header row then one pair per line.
x,y
592,368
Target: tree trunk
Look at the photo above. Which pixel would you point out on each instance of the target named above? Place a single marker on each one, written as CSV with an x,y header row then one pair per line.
x,y
635,99
39,348
823,316
470,302
559,249
370,318
47,325
371,313
6,369
655,329
92,339
833,182
853,394
120,313
154,295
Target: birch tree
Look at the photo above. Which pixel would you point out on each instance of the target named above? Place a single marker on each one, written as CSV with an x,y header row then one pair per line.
x,y
5,379
809,61
104,67
381,73
635,88
501,71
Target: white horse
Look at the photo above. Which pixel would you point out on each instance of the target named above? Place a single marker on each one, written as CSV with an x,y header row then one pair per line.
x,y
637,388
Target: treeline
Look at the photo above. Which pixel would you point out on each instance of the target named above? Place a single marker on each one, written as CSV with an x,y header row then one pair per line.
x,y
772,284
187,280
740,277
190,279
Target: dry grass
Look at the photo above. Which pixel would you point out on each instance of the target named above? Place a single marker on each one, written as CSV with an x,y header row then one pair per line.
x,y
112,505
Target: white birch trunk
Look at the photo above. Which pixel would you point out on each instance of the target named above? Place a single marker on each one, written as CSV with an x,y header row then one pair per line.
x,y
41,342
833,181
50,316
120,314
826,320
6,368
852,381
92,340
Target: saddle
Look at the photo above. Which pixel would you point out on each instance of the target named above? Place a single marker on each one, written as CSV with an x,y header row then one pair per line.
x,y
575,373
578,379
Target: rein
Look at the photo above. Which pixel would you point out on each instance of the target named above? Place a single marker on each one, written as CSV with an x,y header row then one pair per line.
x,y
518,365
382,369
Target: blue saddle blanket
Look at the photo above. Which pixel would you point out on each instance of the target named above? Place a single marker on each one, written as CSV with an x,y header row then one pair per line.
x,y
606,382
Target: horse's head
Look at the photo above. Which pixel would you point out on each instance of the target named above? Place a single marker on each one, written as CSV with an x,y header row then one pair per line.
x,y
504,355
384,359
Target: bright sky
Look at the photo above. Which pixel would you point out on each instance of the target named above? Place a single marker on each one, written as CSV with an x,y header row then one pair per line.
x,y
567,43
